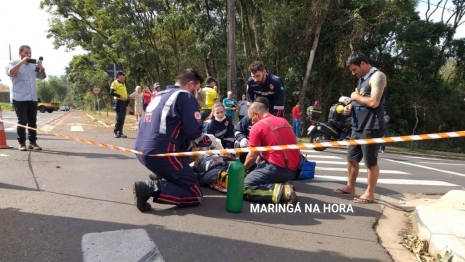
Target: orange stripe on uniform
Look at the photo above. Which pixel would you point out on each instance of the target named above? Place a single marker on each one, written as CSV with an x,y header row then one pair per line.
x,y
169,158
178,126
175,158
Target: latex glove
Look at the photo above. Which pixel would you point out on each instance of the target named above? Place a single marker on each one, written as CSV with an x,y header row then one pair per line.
x,y
244,142
218,144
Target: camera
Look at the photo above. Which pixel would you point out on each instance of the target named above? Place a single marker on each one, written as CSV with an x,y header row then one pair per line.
x,y
32,61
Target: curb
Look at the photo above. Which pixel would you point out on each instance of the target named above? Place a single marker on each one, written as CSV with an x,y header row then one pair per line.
x,y
98,121
56,119
437,223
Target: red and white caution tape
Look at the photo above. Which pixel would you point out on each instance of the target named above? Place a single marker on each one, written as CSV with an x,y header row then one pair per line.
x,y
267,148
324,144
90,142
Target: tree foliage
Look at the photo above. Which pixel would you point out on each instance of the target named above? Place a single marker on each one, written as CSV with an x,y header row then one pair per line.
x,y
153,40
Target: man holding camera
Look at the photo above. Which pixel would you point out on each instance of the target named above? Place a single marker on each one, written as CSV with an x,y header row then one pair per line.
x,y
23,73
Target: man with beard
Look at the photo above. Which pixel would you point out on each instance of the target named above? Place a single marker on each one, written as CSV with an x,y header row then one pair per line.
x,y
264,84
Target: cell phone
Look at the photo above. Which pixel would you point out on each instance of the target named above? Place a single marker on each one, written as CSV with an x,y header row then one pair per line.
x,y
32,61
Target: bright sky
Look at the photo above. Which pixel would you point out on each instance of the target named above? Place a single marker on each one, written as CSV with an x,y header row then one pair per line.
x,y
22,22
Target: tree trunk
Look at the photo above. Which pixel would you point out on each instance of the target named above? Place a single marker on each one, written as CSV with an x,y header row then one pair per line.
x,y
311,57
255,33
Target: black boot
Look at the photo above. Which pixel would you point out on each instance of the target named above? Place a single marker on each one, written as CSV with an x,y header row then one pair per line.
x,y
120,131
116,133
122,135
153,177
142,191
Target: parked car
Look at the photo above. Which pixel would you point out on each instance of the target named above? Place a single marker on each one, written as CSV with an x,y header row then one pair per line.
x,y
47,107
64,108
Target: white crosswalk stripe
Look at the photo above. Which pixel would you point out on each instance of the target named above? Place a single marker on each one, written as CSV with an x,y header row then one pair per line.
x,y
332,168
388,181
322,156
361,170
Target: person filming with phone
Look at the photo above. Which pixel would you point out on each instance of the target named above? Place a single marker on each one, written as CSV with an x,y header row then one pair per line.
x,y
23,73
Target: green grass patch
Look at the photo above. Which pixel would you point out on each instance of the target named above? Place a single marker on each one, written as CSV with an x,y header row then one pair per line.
x,y
5,106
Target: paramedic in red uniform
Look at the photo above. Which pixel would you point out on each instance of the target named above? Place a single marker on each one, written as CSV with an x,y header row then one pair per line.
x,y
268,182
171,123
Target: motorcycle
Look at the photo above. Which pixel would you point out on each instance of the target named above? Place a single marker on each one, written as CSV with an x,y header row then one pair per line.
x,y
324,132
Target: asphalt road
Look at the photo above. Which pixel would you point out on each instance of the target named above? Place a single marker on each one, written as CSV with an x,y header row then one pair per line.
x,y
73,202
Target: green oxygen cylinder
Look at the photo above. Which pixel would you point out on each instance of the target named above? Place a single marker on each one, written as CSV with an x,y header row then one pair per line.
x,y
235,193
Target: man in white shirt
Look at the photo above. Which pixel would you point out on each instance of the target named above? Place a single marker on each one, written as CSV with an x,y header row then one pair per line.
x,y
23,73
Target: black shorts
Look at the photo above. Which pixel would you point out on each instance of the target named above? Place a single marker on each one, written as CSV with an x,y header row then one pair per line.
x,y
368,152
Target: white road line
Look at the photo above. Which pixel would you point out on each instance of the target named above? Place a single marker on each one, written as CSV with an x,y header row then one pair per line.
x,y
77,128
382,171
425,158
449,164
426,167
331,162
303,151
323,156
123,245
387,181
47,127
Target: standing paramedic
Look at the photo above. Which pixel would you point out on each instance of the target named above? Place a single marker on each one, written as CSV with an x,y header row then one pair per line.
x,y
269,181
120,94
23,73
368,122
262,83
171,123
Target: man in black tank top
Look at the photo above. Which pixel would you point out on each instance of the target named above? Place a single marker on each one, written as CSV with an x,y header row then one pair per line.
x,y
366,110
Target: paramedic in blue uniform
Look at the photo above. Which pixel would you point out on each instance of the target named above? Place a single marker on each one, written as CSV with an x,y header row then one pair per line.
x,y
171,123
220,125
261,83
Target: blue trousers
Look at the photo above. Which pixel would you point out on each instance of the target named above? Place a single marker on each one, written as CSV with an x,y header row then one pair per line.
x,y
265,184
179,185
296,127
383,145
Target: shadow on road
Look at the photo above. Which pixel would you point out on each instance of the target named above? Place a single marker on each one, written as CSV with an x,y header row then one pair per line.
x,y
87,154
37,237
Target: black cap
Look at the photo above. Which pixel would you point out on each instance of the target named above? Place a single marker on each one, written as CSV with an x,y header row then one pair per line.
x,y
120,73
209,80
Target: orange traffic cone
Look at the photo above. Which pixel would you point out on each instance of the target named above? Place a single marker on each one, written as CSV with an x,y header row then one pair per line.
x,y
3,144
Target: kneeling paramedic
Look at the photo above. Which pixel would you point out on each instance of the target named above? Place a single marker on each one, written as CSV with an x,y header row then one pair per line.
x,y
242,129
171,123
269,181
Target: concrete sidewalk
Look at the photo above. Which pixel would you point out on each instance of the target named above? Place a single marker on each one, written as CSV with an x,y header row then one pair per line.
x,y
442,223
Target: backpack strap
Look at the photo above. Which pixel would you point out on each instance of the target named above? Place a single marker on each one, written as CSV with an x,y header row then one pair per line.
x,y
273,129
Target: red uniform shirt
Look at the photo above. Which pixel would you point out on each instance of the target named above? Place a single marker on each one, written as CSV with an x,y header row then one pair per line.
x,y
262,135
295,112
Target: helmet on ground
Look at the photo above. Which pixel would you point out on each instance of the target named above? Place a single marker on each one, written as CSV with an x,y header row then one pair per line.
x,y
344,100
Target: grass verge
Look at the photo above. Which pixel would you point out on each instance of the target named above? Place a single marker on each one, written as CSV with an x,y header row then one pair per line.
x,y
5,106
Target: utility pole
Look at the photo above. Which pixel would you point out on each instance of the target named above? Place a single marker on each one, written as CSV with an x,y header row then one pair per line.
x,y
232,74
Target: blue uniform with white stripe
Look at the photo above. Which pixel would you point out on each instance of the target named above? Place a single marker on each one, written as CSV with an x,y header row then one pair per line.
x,y
273,89
171,123
223,130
